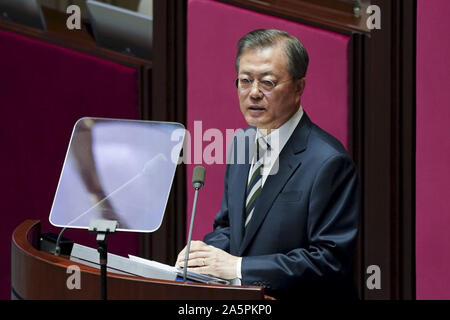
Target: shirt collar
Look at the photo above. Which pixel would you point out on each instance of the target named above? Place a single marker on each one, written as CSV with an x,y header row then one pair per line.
x,y
277,138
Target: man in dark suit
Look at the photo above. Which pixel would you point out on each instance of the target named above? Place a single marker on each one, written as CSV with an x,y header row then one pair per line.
x,y
289,216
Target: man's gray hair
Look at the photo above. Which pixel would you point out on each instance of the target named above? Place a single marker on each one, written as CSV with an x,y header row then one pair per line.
x,y
263,38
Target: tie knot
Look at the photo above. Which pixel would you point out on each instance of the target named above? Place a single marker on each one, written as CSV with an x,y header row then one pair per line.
x,y
262,143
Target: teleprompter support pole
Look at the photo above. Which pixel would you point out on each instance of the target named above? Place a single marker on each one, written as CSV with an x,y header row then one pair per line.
x,y
102,228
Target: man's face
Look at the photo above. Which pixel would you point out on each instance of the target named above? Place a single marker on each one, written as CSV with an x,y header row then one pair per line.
x,y
263,109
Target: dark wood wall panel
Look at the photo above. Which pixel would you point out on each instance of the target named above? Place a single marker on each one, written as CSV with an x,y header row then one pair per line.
x,y
356,143
388,133
169,104
335,15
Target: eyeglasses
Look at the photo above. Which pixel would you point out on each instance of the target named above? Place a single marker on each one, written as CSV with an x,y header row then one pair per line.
x,y
265,86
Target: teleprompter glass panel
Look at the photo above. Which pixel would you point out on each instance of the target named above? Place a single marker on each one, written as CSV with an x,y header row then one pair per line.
x,y
117,170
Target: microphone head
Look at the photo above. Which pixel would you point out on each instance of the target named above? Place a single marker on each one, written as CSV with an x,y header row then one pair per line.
x,y
198,177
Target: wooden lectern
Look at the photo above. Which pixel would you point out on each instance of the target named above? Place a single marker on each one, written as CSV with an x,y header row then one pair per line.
x,y
40,275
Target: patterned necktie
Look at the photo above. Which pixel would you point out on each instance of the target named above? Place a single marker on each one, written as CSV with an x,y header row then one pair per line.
x,y
254,185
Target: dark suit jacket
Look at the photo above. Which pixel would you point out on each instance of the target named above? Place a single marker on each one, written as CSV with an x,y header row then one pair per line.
x,y
300,240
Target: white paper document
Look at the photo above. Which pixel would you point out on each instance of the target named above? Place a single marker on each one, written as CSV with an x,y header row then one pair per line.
x,y
190,275
153,264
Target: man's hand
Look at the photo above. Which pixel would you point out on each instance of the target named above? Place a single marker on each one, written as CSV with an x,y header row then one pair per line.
x,y
209,260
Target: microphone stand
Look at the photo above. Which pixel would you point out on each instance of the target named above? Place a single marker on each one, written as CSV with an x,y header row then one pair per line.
x,y
198,179
188,247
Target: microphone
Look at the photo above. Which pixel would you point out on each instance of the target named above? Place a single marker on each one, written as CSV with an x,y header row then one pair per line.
x,y
198,180
198,177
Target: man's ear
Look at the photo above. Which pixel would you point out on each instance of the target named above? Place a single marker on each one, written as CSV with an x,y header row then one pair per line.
x,y
300,85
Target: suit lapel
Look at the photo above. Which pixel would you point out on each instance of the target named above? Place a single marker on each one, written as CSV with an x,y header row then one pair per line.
x,y
238,205
238,188
289,160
